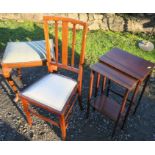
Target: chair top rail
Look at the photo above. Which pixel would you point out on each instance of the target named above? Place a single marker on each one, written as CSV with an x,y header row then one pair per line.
x,y
65,19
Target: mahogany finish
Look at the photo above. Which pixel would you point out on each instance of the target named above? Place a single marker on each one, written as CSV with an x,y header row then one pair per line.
x,y
116,76
104,104
107,106
129,65
64,115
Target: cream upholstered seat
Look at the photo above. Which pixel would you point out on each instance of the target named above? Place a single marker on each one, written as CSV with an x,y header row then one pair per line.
x,y
52,90
29,51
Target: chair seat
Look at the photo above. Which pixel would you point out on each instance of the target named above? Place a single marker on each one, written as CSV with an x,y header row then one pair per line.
x,y
53,90
29,51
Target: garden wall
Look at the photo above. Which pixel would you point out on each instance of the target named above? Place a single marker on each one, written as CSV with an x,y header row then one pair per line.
x,y
143,22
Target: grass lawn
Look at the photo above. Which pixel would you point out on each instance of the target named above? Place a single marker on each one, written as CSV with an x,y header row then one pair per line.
x,y
98,42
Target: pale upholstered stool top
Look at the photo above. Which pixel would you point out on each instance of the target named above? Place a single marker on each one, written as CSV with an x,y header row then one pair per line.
x,y
29,51
53,90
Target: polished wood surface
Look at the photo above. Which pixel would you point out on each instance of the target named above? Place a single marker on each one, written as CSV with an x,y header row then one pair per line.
x,y
58,18
64,43
122,110
131,66
104,104
115,75
127,63
64,22
107,106
73,44
56,40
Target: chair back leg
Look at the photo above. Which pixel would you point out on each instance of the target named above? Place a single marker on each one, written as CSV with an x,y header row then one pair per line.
x,y
80,101
80,95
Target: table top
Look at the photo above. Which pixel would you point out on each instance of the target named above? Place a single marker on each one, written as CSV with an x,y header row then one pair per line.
x,y
127,63
114,75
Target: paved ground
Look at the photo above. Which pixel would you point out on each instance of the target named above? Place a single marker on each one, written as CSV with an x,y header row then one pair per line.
x,y
13,125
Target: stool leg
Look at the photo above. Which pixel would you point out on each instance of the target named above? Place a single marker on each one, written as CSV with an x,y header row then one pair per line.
x,y
7,76
90,92
121,110
141,95
19,72
12,84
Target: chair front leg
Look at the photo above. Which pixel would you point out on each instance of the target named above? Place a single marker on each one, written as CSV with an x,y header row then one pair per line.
x,y
27,112
63,127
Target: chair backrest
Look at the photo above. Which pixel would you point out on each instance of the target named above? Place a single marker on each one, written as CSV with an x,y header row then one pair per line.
x,y
61,57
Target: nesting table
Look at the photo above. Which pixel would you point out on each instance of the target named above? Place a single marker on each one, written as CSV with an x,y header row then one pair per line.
x,y
127,71
131,66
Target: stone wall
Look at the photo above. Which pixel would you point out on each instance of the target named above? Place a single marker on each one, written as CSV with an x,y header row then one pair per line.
x,y
115,22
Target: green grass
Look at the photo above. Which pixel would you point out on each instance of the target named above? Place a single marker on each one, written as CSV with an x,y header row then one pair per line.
x,y
98,42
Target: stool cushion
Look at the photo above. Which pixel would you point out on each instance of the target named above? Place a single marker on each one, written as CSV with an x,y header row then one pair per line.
x,y
53,90
29,51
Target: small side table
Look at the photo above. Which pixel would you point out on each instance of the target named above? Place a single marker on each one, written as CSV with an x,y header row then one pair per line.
x,y
104,104
130,65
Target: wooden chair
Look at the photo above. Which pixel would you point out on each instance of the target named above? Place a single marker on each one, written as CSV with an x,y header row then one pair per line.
x,y
23,54
57,93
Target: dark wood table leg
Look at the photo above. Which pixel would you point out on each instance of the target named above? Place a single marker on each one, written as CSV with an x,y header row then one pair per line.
x,y
108,87
142,92
131,103
97,84
122,109
103,85
90,92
